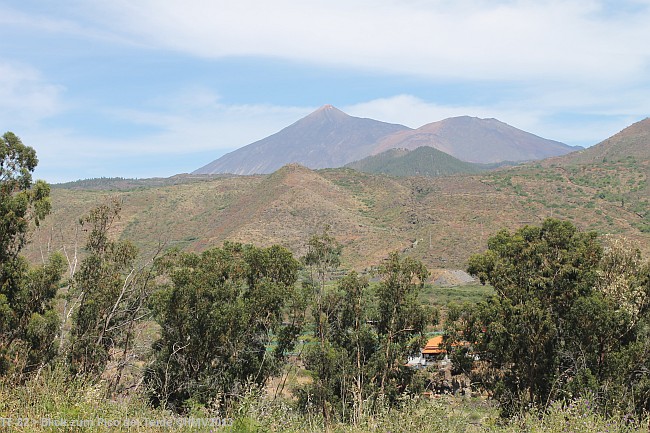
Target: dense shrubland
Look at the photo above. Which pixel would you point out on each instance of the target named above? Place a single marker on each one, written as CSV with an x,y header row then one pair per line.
x,y
563,344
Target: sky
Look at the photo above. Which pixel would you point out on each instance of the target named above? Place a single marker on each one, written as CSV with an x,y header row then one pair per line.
x,y
153,88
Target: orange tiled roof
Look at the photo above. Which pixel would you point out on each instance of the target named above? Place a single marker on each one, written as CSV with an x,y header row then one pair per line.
x,y
434,346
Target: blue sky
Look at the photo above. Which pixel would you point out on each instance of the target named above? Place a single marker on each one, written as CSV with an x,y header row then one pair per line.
x,y
142,88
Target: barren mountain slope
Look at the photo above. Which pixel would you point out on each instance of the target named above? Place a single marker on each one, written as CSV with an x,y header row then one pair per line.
x,y
439,220
326,138
476,140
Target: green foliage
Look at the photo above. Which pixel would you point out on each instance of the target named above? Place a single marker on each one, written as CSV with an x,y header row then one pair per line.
x,y
109,293
539,273
52,396
616,344
47,401
323,255
423,161
21,199
366,339
339,364
218,313
28,322
401,319
445,296
564,315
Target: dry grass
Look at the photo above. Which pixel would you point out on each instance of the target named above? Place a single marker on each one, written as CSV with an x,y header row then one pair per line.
x,y
52,398
440,221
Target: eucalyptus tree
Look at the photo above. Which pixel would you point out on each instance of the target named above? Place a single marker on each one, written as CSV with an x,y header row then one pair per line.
x,y
111,291
569,318
225,323
28,320
367,335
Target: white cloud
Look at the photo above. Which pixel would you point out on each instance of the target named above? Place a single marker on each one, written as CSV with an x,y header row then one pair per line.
x,y
572,40
62,20
195,120
529,116
584,58
190,129
414,112
25,96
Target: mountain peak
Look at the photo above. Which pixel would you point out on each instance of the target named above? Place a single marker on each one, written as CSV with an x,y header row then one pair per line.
x,y
329,112
325,138
328,137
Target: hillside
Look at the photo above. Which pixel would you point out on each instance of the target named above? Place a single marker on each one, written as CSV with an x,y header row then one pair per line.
x,y
631,142
423,161
441,220
124,184
476,140
326,138
294,202
616,170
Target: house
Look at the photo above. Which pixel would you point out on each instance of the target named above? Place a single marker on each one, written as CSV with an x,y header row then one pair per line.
x,y
434,353
434,349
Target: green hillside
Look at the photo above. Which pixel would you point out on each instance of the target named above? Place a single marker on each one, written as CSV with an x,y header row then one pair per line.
x,y
423,161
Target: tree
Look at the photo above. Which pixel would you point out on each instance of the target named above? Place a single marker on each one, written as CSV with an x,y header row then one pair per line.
x,y
323,256
458,319
613,345
28,321
367,337
568,317
111,294
338,365
22,201
358,337
401,319
538,273
219,312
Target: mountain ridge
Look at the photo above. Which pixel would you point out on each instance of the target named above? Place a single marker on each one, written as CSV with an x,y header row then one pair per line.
x,y
441,220
330,138
325,138
632,141
477,140
422,161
